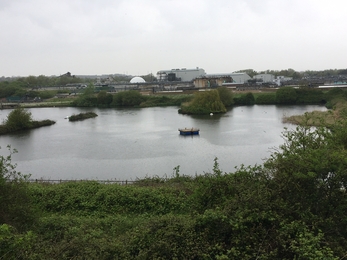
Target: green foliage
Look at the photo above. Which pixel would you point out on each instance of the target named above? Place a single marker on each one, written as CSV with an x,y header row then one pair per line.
x,y
204,103
10,89
18,119
266,99
286,95
14,245
165,100
46,94
335,92
104,98
226,96
131,98
310,96
245,99
16,209
82,116
87,99
84,198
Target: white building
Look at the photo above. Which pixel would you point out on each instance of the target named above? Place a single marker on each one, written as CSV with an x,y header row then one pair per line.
x,y
280,79
180,74
266,78
237,77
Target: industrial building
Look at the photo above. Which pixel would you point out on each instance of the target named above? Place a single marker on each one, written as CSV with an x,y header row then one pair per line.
x,y
217,80
265,78
180,74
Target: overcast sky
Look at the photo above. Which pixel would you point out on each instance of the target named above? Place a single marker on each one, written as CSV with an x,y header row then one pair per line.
x,y
137,37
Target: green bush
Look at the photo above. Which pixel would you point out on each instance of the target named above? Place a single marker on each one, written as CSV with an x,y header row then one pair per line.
x,y
286,95
104,98
129,98
204,103
82,116
226,96
16,208
265,99
18,119
309,96
83,198
15,245
245,99
47,94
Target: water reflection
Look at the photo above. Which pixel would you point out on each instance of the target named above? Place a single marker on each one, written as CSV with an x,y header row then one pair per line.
x,y
130,143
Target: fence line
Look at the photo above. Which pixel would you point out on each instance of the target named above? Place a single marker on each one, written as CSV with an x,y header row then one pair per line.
x,y
126,182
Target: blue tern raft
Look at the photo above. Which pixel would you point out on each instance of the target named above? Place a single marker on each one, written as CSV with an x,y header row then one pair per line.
x,y
189,131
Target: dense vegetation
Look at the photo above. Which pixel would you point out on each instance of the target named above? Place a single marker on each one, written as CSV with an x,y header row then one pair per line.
x,y
213,101
298,74
20,119
82,116
130,98
291,207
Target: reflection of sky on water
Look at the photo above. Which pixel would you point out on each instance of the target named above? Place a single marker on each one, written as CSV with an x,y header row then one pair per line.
x,y
129,143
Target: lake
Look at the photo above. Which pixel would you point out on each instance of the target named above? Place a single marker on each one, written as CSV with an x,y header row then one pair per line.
x,y
125,144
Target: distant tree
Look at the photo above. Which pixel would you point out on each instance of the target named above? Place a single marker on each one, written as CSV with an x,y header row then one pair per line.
x,y
104,98
18,119
249,72
286,95
43,81
149,77
88,98
245,99
226,96
204,103
128,98
31,81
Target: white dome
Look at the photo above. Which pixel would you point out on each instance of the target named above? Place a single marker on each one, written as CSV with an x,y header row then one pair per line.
x,y
137,80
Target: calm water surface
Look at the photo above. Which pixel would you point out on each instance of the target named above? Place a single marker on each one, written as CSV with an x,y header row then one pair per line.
x,y
126,144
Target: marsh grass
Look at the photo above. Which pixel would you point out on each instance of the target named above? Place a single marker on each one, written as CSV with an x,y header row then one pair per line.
x,y
321,118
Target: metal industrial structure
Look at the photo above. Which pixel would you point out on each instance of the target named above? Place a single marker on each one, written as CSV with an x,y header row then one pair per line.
x,y
179,74
217,80
264,78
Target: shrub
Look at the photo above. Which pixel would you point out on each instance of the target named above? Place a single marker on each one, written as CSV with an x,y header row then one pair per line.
x,y
128,98
286,95
82,116
245,99
204,103
16,209
104,98
266,99
18,119
226,96
309,95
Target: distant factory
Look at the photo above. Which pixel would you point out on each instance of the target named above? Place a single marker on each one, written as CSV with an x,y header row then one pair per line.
x,y
184,75
200,79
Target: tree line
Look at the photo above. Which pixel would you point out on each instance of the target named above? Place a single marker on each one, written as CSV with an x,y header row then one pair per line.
x,y
298,74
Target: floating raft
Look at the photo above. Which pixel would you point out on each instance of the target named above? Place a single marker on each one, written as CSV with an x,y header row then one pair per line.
x,y
189,131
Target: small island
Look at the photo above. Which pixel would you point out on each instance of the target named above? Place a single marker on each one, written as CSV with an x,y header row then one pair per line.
x,y
82,116
20,119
